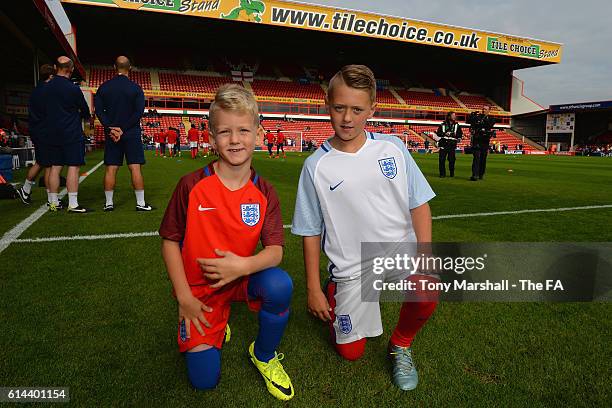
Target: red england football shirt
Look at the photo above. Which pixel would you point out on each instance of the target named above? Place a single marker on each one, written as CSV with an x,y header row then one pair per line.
x,y
193,135
204,215
171,135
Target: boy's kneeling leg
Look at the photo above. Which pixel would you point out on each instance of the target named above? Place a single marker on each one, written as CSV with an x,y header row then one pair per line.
x,y
204,368
351,351
274,288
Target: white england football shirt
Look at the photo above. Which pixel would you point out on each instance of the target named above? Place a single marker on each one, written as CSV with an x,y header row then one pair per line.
x,y
350,198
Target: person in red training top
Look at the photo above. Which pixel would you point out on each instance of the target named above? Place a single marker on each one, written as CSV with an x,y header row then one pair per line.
x,y
270,142
211,229
171,135
193,137
205,141
157,139
163,141
280,143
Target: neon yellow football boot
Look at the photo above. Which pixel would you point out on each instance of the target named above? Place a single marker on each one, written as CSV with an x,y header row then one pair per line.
x,y
277,380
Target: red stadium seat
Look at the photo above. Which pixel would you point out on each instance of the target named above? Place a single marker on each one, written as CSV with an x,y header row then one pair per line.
x,y
99,75
476,102
427,99
286,89
191,83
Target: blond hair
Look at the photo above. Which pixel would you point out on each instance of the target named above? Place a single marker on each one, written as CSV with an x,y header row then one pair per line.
x,y
357,77
233,98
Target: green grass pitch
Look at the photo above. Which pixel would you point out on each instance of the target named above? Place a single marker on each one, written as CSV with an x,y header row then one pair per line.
x,y
98,316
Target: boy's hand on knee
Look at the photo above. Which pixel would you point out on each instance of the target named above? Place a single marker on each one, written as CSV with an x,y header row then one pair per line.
x,y
190,310
225,269
318,304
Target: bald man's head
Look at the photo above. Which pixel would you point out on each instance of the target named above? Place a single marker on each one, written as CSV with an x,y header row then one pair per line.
x,y
122,64
64,66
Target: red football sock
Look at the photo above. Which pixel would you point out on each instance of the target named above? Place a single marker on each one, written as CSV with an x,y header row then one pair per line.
x,y
412,317
414,314
351,351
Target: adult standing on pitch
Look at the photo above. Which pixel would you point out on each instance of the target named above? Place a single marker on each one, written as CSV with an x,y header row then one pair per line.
x,y
65,108
450,134
119,105
36,116
481,126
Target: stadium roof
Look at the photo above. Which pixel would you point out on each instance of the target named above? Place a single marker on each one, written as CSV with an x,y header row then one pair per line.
x,y
520,52
27,29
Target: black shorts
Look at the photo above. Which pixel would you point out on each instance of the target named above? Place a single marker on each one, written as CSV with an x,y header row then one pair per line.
x,y
41,152
129,147
72,154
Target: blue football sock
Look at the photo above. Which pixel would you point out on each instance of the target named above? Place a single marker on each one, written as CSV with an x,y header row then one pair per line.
x,y
204,368
271,329
274,288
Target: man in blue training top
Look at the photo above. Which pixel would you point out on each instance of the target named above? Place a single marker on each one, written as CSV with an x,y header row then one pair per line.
x,y
65,108
119,105
36,120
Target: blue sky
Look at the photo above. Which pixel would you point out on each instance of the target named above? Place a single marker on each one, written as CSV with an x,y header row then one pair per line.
x,y
584,28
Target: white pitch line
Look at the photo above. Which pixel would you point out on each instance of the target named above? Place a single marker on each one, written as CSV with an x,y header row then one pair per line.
x,y
88,237
286,226
12,235
487,214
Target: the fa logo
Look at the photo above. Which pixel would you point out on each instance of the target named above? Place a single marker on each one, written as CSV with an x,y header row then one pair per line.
x,y
250,214
388,167
344,324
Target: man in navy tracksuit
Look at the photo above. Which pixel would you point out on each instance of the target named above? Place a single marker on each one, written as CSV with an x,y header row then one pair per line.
x,y
65,109
119,105
36,120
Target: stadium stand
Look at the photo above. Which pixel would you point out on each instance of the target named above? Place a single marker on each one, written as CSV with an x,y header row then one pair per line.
x,y
191,83
385,96
476,102
427,99
511,141
319,131
286,89
99,75
502,137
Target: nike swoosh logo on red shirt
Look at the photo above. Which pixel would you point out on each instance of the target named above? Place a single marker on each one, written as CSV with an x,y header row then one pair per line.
x,y
200,208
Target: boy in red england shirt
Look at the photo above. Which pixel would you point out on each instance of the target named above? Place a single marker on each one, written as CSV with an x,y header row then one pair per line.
x,y
210,232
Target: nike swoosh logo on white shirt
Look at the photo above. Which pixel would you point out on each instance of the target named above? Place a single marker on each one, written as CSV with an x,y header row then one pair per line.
x,y
200,208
